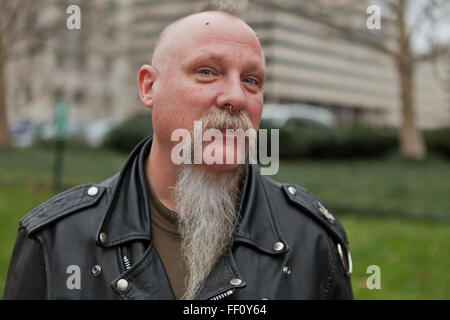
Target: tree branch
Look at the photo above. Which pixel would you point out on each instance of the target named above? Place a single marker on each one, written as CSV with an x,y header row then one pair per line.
x,y
327,18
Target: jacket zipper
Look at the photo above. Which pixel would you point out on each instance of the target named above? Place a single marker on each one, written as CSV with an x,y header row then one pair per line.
x,y
126,263
223,295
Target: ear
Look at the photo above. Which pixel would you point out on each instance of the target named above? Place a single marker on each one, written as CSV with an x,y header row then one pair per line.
x,y
146,79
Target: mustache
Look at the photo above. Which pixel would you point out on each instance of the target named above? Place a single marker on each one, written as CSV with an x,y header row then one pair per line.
x,y
222,120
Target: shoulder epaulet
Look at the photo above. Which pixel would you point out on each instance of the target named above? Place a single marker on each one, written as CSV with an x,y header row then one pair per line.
x,y
310,204
314,207
61,205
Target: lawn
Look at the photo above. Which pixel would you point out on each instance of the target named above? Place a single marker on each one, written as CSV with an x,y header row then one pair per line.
x,y
396,213
392,187
412,256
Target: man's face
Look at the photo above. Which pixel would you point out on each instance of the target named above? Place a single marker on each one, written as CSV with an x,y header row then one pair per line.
x,y
211,61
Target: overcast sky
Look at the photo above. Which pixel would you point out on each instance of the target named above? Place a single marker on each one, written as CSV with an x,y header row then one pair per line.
x,y
425,29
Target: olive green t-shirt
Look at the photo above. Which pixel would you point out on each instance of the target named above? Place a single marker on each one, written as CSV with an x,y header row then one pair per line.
x,y
167,242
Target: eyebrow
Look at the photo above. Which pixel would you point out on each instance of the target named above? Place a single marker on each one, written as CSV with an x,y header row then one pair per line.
x,y
216,57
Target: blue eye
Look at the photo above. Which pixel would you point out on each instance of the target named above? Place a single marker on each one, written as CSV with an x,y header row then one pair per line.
x,y
251,81
205,72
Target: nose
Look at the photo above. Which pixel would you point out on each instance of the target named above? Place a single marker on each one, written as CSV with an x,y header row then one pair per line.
x,y
232,98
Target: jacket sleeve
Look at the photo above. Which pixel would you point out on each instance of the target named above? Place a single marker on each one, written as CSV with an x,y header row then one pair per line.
x,y
26,278
341,287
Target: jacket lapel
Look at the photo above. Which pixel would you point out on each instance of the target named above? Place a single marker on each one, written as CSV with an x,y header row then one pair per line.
x,y
258,227
128,214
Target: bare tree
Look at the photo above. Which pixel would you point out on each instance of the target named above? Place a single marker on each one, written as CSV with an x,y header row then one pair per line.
x,y
398,47
24,25
4,131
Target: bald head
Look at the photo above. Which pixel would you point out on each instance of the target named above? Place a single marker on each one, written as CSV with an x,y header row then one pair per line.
x,y
200,27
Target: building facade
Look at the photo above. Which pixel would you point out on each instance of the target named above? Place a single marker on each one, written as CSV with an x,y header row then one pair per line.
x,y
95,68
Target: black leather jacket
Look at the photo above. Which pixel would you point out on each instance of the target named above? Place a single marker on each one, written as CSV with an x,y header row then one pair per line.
x,y
94,242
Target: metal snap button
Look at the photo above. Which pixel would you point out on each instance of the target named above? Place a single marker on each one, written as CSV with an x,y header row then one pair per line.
x,y
286,271
92,191
96,270
122,285
278,246
103,237
235,282
292,191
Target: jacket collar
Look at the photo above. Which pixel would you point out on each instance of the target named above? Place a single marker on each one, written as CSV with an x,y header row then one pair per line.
x,y
128,214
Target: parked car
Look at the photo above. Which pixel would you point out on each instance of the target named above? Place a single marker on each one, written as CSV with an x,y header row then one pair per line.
x,y
281,114
24,133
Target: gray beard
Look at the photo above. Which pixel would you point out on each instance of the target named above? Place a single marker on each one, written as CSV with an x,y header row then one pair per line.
x,y
206,206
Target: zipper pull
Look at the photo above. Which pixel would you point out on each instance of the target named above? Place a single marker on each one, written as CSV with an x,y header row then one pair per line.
x,y
223,295
126,263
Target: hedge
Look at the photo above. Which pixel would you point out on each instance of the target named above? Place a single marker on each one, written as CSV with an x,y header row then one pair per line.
x,y
301,140
438,141
313,141
125,136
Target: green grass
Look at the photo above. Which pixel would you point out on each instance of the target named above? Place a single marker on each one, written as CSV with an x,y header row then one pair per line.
x,y
412,256
34,166
392,187
395,212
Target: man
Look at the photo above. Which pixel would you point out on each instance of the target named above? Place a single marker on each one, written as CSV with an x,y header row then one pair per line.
x,y
162,230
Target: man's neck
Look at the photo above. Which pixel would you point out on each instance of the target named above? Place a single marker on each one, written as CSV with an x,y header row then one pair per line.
x,y
162,173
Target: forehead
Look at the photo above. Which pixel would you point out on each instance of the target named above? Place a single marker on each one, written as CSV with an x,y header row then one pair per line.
x,y
214,36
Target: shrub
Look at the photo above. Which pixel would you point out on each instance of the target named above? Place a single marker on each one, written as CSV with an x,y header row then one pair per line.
x,y
438,141
125,136
301,140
